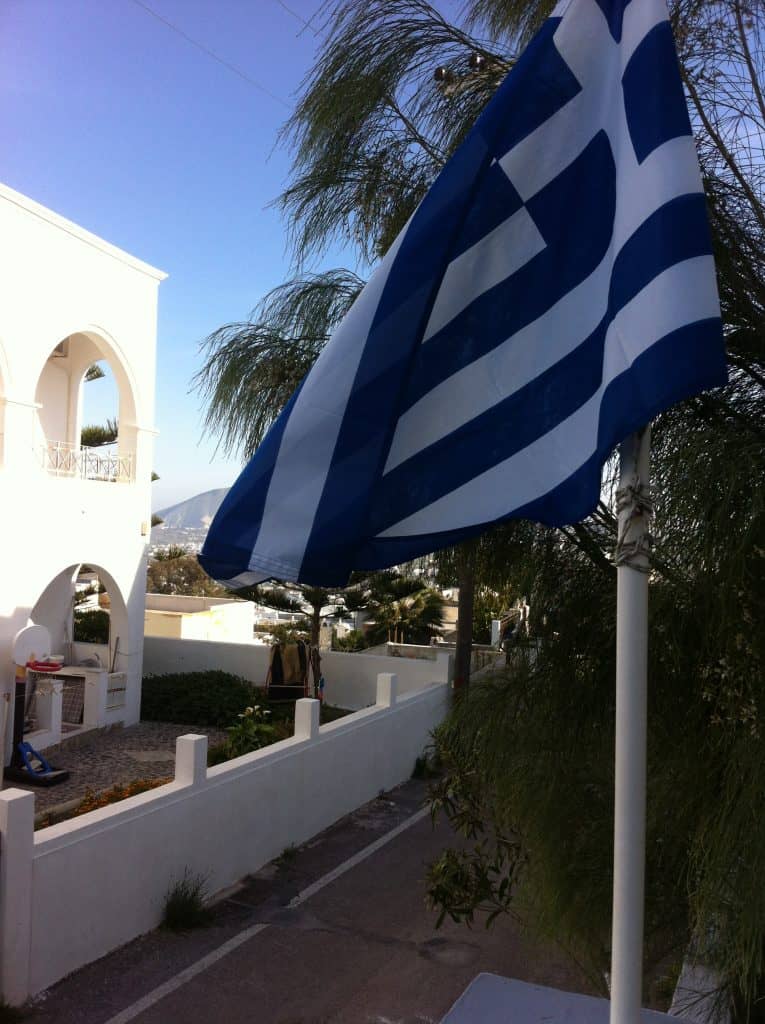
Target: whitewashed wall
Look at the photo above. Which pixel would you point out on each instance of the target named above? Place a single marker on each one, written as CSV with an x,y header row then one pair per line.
x,y
351,679
61,282
72,892
164,654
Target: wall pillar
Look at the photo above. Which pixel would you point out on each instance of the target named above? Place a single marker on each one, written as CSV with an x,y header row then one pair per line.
x,y
445,666
94,711
307,718
387,689
17,810
191,759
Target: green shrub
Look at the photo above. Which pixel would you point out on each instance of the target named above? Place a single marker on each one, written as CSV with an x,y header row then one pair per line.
x,y
91,627
184,904
217,753
353,641
208,699
426,766
251,732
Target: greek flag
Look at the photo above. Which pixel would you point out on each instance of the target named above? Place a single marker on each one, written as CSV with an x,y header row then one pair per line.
x,y
553,292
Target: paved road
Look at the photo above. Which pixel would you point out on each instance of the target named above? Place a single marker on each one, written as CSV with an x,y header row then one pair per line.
x,y
362,950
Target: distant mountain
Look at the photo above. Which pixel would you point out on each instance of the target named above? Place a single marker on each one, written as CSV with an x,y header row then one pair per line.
x,y
193,514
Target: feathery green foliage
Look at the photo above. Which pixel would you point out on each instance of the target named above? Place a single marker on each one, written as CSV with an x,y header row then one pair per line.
x,y
94,435
93,372
252,369
372,128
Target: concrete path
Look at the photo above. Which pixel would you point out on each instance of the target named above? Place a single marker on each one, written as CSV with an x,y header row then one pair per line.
x,y
357,947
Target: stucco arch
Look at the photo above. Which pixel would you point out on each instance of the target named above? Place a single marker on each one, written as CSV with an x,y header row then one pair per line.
x,y
121,367
54,606
107,347
59,393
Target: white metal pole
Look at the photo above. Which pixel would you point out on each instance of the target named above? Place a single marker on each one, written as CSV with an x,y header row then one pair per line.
x,y
631,713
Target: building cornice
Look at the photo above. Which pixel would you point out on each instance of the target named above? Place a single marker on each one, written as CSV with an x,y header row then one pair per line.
x,y
37,210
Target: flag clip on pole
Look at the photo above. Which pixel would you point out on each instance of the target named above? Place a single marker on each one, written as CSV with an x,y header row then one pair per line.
x,y
632,560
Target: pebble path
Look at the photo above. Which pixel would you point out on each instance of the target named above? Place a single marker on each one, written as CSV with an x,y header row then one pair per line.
x,y
101,759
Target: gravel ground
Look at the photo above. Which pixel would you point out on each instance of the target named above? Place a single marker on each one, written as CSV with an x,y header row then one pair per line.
x,y
99,760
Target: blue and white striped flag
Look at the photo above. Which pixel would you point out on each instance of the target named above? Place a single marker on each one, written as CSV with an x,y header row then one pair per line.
x,y
554,290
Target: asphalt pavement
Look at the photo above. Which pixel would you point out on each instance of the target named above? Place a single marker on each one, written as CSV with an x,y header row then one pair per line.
x,y
337,932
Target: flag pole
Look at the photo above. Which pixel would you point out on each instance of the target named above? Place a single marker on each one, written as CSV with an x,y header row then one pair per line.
x,y
634,510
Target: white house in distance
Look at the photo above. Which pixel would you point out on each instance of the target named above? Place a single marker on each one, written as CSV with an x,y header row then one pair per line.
x,y
199,618
69,300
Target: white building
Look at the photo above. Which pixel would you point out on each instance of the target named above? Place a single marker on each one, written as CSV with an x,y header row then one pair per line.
x,y
199,618
70,299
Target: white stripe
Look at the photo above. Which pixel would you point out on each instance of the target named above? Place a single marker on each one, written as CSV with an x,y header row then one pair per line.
x,y
544,154
683,294
180,979
244,579
640,17
495,376
357,858
670,171
311,433
494,258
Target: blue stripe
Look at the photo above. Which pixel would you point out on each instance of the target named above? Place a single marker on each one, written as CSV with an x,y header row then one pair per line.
x,y
696,356
495,202
494,436
675,232
681,364
234,531
654,103
575,214
613,12
539,85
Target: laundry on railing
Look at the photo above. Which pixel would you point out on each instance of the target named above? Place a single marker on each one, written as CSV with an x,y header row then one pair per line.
x,y
294,671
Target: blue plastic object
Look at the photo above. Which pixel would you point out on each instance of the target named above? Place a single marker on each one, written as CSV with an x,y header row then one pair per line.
x,y
28,753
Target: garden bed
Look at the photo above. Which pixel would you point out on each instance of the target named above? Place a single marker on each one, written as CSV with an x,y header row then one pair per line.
x,y
111,766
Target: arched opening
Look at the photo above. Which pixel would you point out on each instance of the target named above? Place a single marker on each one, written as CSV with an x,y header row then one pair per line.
x,y
86,616
91,613
99,403
84,400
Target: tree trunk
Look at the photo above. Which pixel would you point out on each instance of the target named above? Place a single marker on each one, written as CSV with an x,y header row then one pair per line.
x,y
315,624
464,651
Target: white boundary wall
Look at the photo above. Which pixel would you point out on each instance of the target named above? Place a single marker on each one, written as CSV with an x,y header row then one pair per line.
x,y
351,679
74,891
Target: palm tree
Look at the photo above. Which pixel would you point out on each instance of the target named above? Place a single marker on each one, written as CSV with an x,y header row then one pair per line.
x,y
402,610
310,600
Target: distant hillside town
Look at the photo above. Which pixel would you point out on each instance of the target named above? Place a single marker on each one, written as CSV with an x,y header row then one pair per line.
x,y
187,522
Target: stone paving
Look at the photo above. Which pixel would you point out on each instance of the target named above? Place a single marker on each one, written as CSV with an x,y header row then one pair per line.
x,y
104,758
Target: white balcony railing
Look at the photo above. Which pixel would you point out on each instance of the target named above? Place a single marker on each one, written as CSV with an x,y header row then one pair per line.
x,y
60,458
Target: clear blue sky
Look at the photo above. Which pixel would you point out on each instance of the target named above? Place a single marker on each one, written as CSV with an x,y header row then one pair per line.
x,y
112,119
